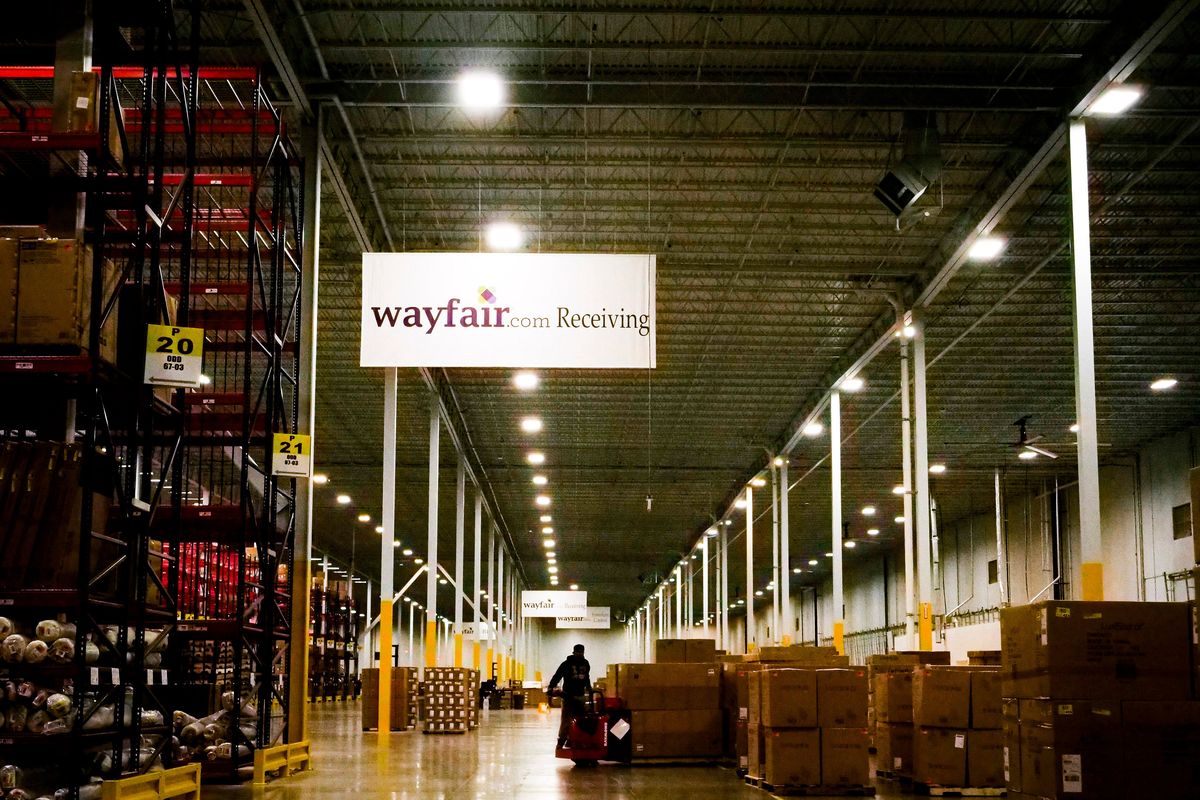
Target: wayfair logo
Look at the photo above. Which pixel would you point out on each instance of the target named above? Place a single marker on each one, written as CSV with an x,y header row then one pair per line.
x,y
451,315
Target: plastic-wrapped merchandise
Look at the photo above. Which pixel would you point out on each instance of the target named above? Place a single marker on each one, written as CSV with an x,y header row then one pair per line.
x,y
153,660
57,726
151,717
39,699
68,630
104,717
17,717
36,652
110,633
12,649
48,630
10,776
91,652
58,705
7,628
90,791
17,794
63,650
37,722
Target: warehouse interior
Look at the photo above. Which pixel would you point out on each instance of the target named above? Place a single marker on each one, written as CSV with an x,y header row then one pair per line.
x,y
924,364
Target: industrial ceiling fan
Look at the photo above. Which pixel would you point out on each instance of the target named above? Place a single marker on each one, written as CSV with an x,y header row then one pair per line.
x,y
1027,443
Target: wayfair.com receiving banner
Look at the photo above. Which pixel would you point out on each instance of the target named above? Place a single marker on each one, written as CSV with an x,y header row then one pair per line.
x,y
597,618
552,310
538,603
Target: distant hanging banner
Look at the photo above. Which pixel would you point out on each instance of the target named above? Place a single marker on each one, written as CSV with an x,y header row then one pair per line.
x,y
469,631
568,310
553,604
596,618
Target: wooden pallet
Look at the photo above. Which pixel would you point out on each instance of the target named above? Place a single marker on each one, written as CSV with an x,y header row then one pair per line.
x,y
935,790
673,761
442,733
892,775
811,791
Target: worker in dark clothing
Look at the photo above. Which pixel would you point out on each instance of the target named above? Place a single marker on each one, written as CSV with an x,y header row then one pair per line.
x,y
575,674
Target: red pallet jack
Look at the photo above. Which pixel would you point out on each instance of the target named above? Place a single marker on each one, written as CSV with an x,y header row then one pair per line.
x,y
601,733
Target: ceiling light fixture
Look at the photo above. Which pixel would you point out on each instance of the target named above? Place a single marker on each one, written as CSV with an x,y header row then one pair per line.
x,y
1115,100
540,480
364,517
552,570
711,532
937,469
986,248
574,587
1027,455
395,544
547,529
531,424
1162,384
503,236
758,483
542,500
548,543
812,562
898,489
406,551
813,429
525,381
343,499
480,91
899,520
1074,428
872,531
379,529
545,518
536,458
739,503
796,570
849,545
853,384
551,561
778,461
868,511
320,479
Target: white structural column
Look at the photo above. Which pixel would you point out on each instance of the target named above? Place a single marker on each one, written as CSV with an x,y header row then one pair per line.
x,y
835,482
502,591
387,553
489,658
751,627
1001,555
478,563
412,613
431,556
910,597
726,640
785,558
460,518
1091,551
921,507
704,584
775,581
678,602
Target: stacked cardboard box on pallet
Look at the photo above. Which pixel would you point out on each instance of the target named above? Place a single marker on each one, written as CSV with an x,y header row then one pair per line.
x,y
675,708
957,741
902,662
450,705
1093,690
404,698
685,651
806,724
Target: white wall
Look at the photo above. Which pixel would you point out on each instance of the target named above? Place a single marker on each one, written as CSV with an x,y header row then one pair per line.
x,y
601,648
1137,495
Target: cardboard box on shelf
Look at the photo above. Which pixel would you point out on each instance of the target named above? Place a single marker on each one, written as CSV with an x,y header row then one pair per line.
x,y
670,651
22,231
940,756
54,291
941,697
9,272
894,697
691,733
894,748
985,758
77,111
792,757
1194,480
842,698
669,686
985,699
788,697
1097,650
844,757
700,651
1070,749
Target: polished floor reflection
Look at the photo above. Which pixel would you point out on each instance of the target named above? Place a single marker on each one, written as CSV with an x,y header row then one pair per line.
x,y
510,756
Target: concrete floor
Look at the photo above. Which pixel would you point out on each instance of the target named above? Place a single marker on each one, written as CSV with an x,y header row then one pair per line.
x,y
510,756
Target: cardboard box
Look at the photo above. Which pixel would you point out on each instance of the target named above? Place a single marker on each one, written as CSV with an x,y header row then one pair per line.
x,y
792,757
985,700
744,697
9,271
941,697
844,757
1083,650
1163,740
894,748
669,686
788,697
755,747
54,291
815,656
670,651
1194,480
754,709
842,698
894,697
985,758
78,110
1069,749
940,756
741,740
983,658
691,733
1011,731
700,651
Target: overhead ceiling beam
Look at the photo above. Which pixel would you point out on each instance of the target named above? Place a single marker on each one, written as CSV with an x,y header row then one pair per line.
x,y
1156,23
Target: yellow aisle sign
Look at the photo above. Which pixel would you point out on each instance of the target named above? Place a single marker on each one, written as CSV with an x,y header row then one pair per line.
x,y
174,356
291,455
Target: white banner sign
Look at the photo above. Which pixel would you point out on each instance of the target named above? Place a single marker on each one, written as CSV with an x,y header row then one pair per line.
x,y
597,618
467,629
548,310
553,604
